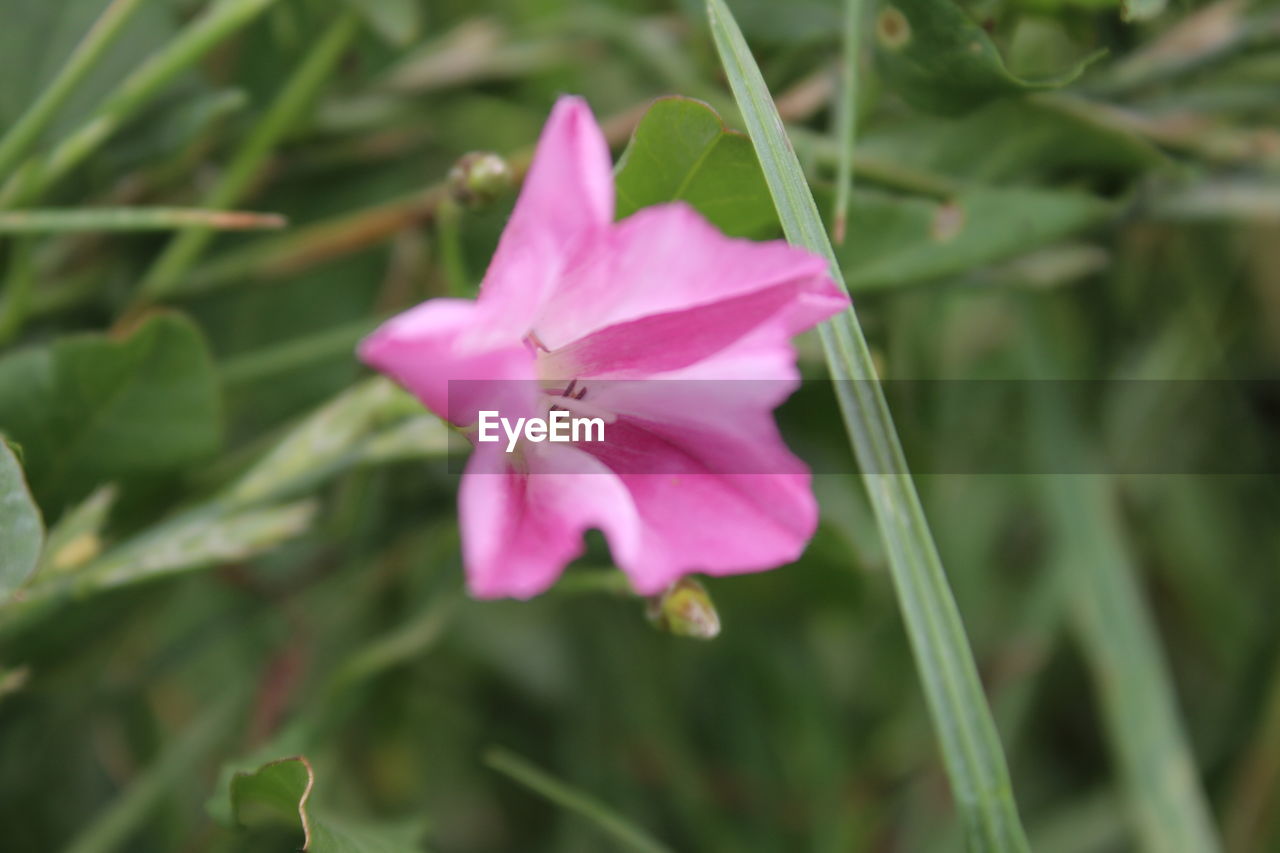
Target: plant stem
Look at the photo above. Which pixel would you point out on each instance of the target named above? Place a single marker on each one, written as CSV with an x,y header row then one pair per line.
x,y
133,219
135,92
628,835
20,137
846,113
297,94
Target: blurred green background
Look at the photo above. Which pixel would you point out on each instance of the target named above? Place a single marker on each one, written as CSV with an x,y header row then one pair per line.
x,y
224,604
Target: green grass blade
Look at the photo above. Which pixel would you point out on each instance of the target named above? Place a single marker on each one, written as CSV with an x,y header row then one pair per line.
x,y
627,835
183,756
846,113
272,362
296,96
133,93
19,139
1123,651
132,219
1117,632
971,748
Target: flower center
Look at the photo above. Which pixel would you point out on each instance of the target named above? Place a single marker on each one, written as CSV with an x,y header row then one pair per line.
x,y
558,393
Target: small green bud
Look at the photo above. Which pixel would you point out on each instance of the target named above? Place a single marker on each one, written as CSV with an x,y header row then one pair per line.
x,y
479,178
686,610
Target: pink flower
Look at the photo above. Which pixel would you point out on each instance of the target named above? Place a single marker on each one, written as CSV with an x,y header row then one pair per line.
x,y
573,297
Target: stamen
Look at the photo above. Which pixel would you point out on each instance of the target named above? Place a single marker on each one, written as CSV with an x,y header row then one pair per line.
x,y
533,342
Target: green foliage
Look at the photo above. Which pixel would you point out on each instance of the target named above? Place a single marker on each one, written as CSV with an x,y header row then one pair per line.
x,y
279,794
34,52
398,22
970,745
895,240
252,547
21,530
622,832
940,60
93,408
681,151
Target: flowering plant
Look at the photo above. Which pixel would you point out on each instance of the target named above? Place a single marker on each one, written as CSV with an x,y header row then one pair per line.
x,y
572,302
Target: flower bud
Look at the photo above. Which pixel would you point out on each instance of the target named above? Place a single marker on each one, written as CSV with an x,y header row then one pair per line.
x,y
479,178
686,610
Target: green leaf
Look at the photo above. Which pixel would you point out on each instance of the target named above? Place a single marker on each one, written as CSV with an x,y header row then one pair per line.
x,y
940,60
971,749
197,540
209,535
93,408
279,794
21,531
1017,140
900,240
340,433
77,537
681,151
397,22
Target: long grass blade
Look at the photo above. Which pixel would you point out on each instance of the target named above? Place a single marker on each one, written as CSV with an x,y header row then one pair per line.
x,y
846,112
183,756
1117,632
23,134
280,118
133,219
971,748
133,93
627,835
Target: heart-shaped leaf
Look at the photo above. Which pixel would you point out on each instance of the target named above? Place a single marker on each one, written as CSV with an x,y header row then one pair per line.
x,y
92,408
681,151
940,60
898,240
279,794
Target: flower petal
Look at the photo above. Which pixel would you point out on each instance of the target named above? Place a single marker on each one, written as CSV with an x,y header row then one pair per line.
x,y
422,350
667,259
566,202
716,488
678,340
520,529
696,519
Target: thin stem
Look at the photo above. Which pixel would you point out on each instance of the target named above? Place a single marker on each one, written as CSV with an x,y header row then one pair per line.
x,y
18,141
297,94
135,92
846,111
628,835
282,358
133,219
184,756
